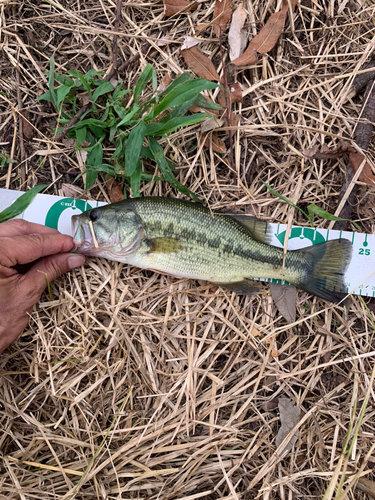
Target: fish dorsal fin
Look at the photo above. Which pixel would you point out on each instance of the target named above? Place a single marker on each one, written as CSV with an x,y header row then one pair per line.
x,y
259,229
164,245
244,287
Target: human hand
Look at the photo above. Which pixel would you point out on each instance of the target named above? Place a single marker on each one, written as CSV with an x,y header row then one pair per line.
x,y
23,243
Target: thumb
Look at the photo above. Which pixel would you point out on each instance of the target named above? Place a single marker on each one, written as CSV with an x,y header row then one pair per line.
x,y
51,267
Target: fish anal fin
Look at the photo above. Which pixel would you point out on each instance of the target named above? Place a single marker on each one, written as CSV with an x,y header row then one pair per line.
x,y
244,287
259,229
163,245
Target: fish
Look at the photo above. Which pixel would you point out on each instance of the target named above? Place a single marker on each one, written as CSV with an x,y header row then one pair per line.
x,y
187,240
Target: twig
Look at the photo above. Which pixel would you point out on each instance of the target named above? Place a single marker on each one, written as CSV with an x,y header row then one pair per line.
x,y
20,128
73,121
228,109
362,137
136,56
361,80
115,38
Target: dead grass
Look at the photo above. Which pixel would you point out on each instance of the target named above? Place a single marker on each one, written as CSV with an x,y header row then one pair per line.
x,y
131,384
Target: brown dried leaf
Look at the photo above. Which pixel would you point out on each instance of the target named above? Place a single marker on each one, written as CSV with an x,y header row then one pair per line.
x,y
285,298
289,418
222,13
173,7
114,190
210,124
325,153
233,94
165,81
366,175
27,128
344,148
212,140
200,64
198,109
235,36
267,38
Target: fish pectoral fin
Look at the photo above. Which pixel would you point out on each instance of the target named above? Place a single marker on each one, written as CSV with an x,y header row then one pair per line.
x,y
164,245
259,229
244,287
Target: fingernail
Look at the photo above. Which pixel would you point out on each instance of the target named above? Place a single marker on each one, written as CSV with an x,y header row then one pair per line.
x,y
75,261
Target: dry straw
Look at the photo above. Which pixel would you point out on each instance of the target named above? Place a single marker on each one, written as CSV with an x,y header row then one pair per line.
x,y
130,384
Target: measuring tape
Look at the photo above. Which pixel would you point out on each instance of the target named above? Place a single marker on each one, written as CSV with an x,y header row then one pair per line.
x,y
56,211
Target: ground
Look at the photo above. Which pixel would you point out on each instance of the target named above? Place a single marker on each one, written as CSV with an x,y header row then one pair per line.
x,y
131,384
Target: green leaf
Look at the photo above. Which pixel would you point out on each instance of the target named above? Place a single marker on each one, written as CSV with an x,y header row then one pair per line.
x,y
118,95
80,136
135,179
142,81
166,168
47,96
82,79
104,88
150,177
61,93
98,132
21,203
90,122
146,152
90,75
95,156
104,167
51,79
173,124
133,147
180,94
119,147
129,115
65,80
154,81
91,175
183,108
120,110
205,103
275,193
315,210
184,77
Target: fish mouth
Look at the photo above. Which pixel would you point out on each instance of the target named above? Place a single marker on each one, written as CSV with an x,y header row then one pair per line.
x,y
82,237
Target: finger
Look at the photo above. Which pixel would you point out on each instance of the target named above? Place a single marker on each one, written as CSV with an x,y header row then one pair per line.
x,y
49,268
20,227
26,249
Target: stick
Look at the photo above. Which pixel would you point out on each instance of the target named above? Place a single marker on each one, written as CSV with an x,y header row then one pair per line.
x,y
20,128
228,109
115,38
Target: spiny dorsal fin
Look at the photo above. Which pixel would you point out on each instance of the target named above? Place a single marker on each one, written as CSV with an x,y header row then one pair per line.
x,y
164,245
259,229
245,287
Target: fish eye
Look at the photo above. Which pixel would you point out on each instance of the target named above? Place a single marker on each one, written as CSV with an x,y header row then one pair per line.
x,y
94,215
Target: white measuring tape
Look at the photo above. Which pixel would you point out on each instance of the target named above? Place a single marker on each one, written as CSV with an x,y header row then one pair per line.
x,y
56,211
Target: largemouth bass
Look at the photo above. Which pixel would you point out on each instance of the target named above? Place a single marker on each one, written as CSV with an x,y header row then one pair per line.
x,y
186,240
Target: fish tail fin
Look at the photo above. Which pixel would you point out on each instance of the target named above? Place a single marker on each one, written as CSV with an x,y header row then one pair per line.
x,y
326,266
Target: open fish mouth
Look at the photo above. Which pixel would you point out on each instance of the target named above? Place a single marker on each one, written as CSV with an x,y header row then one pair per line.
x,y
82,237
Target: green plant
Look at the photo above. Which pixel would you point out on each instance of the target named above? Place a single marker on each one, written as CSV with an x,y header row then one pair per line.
x,y
4,158
312,209
113,117
21,203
